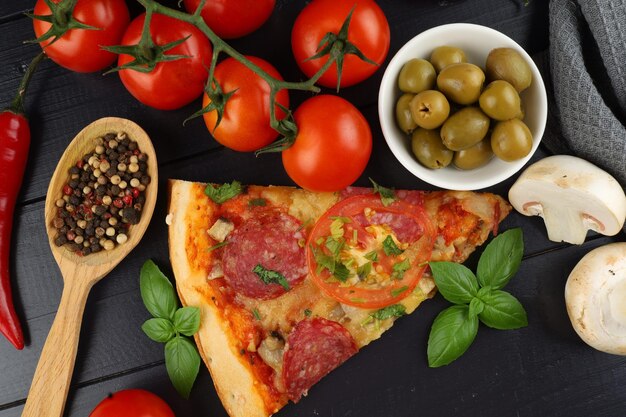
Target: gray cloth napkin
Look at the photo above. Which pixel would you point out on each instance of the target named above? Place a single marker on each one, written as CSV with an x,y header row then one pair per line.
x,y
588,75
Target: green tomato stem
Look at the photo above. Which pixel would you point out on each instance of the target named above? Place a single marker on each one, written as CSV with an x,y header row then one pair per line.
x,y
220,46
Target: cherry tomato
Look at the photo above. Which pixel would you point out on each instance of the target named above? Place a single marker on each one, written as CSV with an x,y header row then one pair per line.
x,y
333,144
132,403
245,124
173,84
79,49
366,226
368,31
231,19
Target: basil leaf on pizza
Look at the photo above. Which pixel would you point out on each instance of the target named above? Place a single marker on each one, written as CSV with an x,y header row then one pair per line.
x,y
387,195
395,310
271,277
224,192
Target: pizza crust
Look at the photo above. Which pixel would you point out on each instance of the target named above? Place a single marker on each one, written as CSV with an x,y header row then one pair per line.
x,y
235,384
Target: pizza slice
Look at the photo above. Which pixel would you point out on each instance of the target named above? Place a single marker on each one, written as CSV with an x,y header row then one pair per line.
x,y
291,283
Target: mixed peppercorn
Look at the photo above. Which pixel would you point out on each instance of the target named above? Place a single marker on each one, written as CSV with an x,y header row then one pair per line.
x,y
103,197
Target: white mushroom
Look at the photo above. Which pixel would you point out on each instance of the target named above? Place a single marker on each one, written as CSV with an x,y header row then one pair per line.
x,y
595,295
572,195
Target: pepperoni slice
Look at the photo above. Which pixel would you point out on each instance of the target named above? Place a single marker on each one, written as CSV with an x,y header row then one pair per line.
x,y
314,348
271,241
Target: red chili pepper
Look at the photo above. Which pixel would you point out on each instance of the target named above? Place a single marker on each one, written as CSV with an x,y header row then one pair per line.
x,y
14,144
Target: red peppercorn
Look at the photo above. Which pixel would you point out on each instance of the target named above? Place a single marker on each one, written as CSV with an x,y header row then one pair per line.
x,y
107,216
128,200
67,190
118,203
136,192
80,163
136,152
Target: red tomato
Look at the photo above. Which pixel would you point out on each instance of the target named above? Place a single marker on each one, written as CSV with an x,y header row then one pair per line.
x,y
231,19
333,144
173,84
384,284
79,49
132,403
368,31
245,124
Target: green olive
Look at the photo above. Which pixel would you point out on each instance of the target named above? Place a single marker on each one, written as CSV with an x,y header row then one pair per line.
x,y
429,150
461,83
507,64
443,56
474,156
500,101
464,128
416,75
511,140
429,109
403,114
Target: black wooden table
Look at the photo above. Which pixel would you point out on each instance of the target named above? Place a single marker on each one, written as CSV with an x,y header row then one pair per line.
x,y
542,370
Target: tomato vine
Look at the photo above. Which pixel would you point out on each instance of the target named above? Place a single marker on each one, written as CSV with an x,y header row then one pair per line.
x,y
336,46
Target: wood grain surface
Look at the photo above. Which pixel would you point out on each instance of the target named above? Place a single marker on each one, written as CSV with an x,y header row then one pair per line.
x,y
542,370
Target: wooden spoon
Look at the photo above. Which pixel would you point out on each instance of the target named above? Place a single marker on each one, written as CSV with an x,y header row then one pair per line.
x,y
51,382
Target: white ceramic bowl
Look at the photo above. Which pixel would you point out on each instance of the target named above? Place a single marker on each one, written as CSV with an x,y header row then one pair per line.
x,y
476,41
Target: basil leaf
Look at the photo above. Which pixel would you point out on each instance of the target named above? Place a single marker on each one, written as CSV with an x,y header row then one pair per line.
x,y
182,362
157,292
372,256
453,331
400,268
476,306
271,277
456,282
501,259
307,312
396,292
217,246
187,320
159,330
256,314
387,195
364,270
395,310
335,267
257,202
502,311
390,247
224,192
334,245
342,273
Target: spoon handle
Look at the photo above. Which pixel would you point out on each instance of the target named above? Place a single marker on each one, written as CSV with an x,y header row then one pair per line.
x,y
51,382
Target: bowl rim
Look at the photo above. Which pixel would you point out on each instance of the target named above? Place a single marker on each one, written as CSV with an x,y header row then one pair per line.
x,y
388,88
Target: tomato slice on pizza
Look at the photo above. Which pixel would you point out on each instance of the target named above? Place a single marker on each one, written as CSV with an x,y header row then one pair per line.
x,y
366,254
291,283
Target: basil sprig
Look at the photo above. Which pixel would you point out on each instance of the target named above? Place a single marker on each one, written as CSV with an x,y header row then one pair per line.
x,y
476,298
224,192
170,325
387,195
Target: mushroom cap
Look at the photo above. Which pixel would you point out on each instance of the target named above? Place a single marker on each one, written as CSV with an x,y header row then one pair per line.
x,y
565,182
595,296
